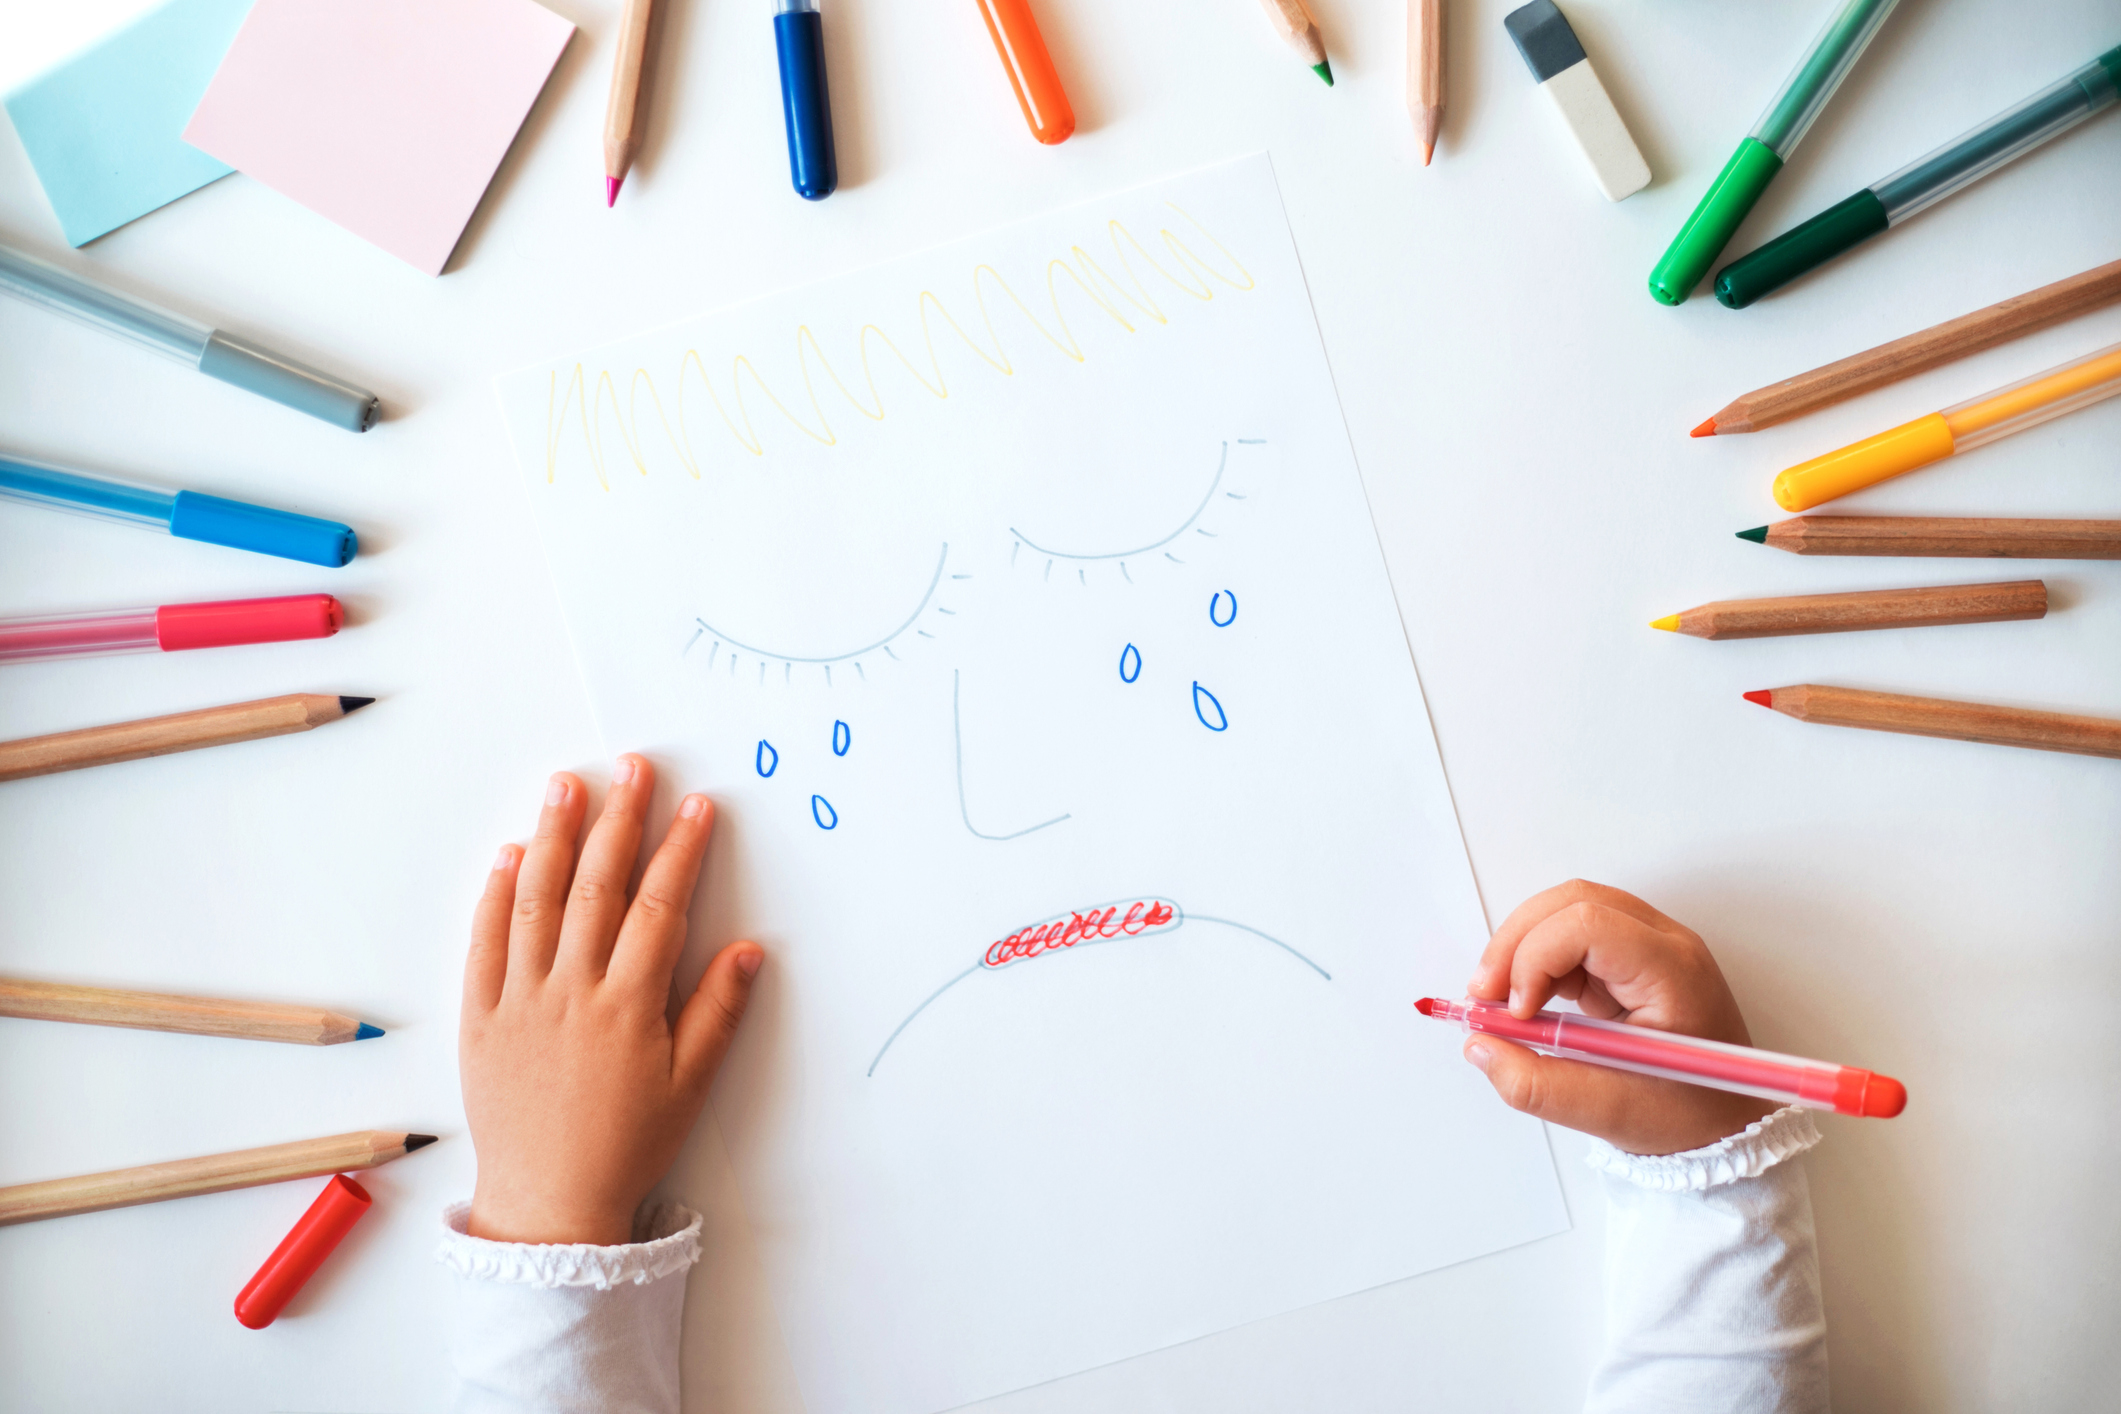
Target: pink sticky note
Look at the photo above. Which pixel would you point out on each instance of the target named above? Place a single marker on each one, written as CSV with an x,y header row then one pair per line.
x,y
386,116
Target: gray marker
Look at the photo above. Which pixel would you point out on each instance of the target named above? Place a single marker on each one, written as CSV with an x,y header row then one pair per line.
x,y
228,357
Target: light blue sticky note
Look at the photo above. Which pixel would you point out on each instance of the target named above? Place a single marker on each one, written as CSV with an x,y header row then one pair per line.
x,y
104,128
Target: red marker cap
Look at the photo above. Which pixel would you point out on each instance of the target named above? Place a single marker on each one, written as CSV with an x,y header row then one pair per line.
x,y
303,1250
227,622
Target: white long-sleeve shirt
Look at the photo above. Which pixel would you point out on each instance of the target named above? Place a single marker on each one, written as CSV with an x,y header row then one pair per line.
x,y
1712,1295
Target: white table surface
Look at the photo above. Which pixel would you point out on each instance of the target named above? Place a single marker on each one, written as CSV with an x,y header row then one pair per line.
x,y
1942,912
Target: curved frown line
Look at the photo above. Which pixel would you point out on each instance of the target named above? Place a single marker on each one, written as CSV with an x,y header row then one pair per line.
x,y
1183,919
911,618
1187,525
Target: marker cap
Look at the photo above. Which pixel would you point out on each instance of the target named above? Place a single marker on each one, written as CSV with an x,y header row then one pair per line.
x,y
242,526
225,623
302,1251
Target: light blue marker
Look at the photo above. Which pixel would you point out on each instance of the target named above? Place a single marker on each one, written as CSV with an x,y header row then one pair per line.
x,y
228,357
188,515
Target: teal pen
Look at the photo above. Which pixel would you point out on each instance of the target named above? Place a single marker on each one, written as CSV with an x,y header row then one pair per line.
x,y
1923,183
228,357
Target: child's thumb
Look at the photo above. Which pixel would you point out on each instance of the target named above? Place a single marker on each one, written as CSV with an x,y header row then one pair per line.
x,y
1564,1092
708,1023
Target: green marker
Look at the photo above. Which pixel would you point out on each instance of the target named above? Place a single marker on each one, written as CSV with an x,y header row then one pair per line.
x,y
1923,183
1769,145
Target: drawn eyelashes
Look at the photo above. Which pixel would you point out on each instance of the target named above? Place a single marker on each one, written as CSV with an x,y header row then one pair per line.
x,y
718,640
1082,559
1142,915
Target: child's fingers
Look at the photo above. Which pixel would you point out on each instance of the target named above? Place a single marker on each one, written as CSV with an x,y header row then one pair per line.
x,y
541,882
596,905
654,931
1569,1093
1618,949
486,965
709,1020
1491,976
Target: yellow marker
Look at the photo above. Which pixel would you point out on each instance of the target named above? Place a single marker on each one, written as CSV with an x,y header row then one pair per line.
x,y
1669,623
1970,424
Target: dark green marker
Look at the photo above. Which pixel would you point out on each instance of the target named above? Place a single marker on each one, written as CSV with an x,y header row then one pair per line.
x,y
1921,184
1766,148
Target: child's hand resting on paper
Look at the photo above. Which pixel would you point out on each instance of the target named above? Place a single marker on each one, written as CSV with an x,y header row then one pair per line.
x,y
578,1086
1618,959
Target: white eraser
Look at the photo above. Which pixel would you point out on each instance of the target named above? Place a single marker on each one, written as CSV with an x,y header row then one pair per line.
x,y
1595,123
1557,60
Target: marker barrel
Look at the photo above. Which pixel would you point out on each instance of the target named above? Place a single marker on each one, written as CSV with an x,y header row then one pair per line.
x,y
171,628
315,1235
228,357
188,515
1804,94
806,102
1791,1080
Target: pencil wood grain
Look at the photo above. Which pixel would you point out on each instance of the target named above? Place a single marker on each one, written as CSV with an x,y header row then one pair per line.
x,y
182,731
1928,607
1961,537
1918,352
1425,72
214,1173
160,1011
1958,721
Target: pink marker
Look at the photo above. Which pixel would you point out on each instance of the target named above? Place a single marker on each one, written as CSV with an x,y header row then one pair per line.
x,y
1815,1085
171,627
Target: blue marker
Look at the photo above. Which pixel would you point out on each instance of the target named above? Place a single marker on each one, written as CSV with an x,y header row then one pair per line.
x,y
184,514
799,35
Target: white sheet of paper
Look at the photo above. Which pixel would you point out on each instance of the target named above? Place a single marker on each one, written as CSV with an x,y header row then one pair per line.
x,y
1030,574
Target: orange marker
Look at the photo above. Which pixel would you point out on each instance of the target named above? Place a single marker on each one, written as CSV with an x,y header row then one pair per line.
x,y
1031,72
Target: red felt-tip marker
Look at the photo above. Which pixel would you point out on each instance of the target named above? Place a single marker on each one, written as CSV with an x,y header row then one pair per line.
x,y
170,627
1815,1085
302,1251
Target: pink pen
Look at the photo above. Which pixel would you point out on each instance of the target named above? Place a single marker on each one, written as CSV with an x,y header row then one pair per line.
x,y
1815,1085
170,628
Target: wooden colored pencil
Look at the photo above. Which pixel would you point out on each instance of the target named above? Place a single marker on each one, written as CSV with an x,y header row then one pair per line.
x,y
183,731
216,1173
1425,72
199,1016
1869,608
622,115
1960,537
1918,353
1931,716
1292,21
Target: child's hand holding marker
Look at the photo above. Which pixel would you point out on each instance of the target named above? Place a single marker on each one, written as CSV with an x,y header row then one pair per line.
x,y
579,1088
1654,1007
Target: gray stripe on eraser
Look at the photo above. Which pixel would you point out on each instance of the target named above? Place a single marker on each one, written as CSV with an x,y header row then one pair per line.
x,y
1544,38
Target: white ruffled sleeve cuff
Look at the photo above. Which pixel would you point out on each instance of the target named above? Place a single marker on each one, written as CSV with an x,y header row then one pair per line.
x,y
666,1241
1763,1144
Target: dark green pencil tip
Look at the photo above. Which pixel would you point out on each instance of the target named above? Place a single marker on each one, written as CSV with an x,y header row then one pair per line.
x,y
353,704
418,1141
1324,69
367,1032
1758,535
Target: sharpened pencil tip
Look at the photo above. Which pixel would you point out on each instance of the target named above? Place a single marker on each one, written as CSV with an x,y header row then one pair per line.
x,y
1765,697
1428,150
1706,429
1758,535
611,191
1669,623
1324,69
418,1141
353,704
367,1032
